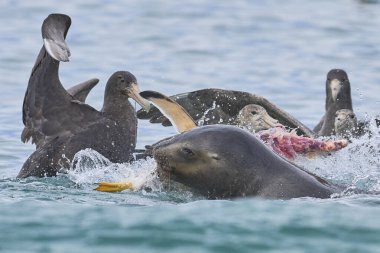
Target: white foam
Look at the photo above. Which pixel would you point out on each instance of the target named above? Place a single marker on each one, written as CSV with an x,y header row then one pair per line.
x,y
357,166
204,119
90,167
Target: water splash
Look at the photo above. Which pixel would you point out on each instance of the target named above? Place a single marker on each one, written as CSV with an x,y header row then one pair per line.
x,y
204,118
90,167
357,167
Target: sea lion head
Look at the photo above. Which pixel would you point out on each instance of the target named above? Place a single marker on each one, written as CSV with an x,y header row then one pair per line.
x,y
211,159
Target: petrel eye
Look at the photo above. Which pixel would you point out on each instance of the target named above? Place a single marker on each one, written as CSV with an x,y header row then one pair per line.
x,y
352,116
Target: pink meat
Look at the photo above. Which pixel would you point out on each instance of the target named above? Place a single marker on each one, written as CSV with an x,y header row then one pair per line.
x,y
288,144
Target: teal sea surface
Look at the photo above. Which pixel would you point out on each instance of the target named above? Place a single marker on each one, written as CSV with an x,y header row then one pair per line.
x,y
281,50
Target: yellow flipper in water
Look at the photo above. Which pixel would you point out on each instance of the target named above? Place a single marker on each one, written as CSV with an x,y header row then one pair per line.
x,y
114,187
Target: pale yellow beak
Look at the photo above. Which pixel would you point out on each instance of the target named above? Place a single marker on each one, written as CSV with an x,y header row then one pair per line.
x,y
335,86
134,93
271,122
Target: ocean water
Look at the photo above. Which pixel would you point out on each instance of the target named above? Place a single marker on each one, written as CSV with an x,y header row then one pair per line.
x,y
281,50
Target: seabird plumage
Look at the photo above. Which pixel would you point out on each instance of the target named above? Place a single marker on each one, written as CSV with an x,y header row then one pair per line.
x,y
255,118
60,123
218,106
338,96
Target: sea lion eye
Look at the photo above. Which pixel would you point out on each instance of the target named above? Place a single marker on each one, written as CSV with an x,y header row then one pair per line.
x,y
352,116
254,113
187,152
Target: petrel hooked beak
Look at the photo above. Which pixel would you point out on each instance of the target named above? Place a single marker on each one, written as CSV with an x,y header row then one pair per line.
x,y
335,86
271,122
134,93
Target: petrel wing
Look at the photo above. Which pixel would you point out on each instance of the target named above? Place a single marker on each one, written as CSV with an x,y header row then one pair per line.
x,y
81,90
217,106
49,110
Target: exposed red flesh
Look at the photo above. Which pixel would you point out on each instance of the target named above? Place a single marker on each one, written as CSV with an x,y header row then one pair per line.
x,y
288,144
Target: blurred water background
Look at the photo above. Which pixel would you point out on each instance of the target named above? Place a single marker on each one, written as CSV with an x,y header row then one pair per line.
x,y
281,50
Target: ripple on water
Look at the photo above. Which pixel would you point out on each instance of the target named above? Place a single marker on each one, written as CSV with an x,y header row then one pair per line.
x,y
279,51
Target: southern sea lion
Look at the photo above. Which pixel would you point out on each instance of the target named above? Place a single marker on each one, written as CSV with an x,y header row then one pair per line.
x,y
223,161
